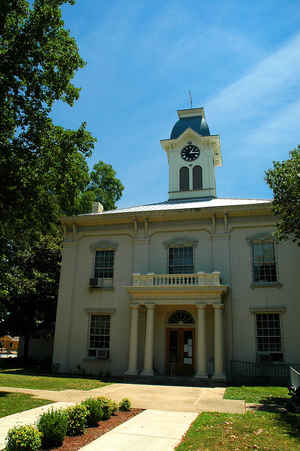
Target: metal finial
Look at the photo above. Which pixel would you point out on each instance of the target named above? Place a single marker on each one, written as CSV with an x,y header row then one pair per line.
x,y
191,99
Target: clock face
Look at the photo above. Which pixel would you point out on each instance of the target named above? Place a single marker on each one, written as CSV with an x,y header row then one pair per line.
x,y
190,153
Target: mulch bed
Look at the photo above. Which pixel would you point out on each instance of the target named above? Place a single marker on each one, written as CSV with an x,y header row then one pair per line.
x,y
77,442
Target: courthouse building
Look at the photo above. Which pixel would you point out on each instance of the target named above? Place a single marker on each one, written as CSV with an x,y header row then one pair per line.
x,y
182,287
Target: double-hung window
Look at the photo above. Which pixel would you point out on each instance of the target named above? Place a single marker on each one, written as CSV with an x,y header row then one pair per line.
x,y
104,264
181,260
268,335
263,261
99,336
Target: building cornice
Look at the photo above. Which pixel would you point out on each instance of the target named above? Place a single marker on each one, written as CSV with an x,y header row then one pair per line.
x,y
259,209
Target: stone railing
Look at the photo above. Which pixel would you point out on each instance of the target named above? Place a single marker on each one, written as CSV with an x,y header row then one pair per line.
x,y
171,280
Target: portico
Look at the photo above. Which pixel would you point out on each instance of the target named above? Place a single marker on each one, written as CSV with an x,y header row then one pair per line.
x,y
181,305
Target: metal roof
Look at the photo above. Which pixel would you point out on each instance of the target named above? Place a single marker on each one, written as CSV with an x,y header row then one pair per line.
x,y
186,205
196,123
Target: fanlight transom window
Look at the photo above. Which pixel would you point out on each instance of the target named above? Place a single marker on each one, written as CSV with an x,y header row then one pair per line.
x,y
181,317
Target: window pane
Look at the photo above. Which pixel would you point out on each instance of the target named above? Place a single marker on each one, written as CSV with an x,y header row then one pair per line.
x,y
181,260
268,335
264,265
197,177
184,184
104,263
99,332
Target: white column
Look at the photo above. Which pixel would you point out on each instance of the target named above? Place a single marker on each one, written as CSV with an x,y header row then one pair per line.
x,y
201,356
149,341
219,343
133,344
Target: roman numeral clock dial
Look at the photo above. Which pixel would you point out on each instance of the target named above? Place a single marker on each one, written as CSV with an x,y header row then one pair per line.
x,y
190,153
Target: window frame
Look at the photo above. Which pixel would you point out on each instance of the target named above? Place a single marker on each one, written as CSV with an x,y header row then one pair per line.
x,y
184,179
200,177
98,348
268,354
183,264
104,268
261,239
98,246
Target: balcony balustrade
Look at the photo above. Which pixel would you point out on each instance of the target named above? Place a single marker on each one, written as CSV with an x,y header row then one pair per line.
x,y
176,280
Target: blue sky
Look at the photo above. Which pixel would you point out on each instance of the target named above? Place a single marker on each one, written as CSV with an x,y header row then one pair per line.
x,y
240,59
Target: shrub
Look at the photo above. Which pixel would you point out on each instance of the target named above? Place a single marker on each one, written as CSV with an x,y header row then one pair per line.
x,y
107,407
115,407
76,419
125,404
94,411
23,438
53,426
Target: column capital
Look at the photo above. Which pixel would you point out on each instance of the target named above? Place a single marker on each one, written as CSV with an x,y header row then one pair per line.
x,y
201,306
134,306
150,306
218,306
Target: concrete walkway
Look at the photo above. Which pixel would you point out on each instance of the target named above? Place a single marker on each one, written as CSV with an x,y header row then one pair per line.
x,y
169,398
170,411
151,430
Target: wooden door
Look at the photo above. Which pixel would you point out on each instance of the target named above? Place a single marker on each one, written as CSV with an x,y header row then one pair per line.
x,y
180,352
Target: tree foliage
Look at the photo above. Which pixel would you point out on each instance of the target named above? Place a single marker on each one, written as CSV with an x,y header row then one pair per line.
x,y
103,187
284,180
43,166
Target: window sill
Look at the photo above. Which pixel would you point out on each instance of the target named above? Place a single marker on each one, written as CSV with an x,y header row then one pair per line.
x,y
101,287
92,359
265,285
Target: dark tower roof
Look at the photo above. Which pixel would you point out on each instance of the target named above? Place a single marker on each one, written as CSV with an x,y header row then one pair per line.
x,y
195,122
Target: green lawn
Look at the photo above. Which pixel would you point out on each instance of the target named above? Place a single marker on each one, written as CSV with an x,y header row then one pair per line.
x,y
18,378
270,428
255,394
17,402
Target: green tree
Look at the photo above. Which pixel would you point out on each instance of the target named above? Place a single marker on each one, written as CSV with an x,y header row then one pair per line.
x,y
43,167
31,278
103,187
284,180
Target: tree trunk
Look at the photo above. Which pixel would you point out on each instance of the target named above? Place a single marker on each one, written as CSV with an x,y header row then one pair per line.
x,y
26,348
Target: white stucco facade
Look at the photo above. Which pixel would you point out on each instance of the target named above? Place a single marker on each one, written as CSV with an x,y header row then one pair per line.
x,y
188,323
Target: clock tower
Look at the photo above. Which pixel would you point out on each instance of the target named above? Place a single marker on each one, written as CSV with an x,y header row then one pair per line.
x,y
193,153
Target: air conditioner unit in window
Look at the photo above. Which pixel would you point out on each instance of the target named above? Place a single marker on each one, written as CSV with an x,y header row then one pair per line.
x,y
101,283
102,355
94,282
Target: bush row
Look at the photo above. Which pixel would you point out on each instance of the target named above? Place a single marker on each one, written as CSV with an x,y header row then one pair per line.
x,y
54,425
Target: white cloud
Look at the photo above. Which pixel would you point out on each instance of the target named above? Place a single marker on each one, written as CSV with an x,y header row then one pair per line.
x,y
268,85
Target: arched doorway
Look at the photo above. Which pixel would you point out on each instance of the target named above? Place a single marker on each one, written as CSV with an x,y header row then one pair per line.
x,y
180,344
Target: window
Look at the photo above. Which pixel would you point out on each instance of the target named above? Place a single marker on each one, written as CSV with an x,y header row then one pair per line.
x,y
181,260
181,317
268,333
197,177
99,336
264,265
104,264
184,183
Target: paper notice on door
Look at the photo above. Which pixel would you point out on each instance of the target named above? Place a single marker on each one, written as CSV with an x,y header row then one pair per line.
x,y
186,348
190,341
188,361
190,352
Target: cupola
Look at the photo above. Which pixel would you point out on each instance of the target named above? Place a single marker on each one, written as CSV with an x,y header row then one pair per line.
x,y
193,153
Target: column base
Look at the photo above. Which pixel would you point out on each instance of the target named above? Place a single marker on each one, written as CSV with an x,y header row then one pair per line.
x,y
147,373
201,376
131,373
219,377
